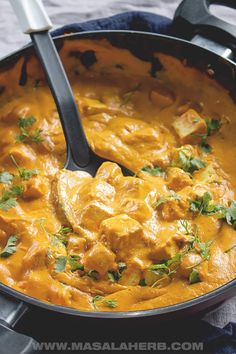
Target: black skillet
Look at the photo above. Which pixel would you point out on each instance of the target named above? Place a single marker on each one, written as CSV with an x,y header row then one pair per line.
x,y
194,22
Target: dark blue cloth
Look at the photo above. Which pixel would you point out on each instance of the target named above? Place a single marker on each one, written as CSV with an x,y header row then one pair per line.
x,y
136,21
216,340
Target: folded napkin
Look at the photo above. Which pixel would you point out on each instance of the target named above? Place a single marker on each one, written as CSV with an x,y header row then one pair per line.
x,y
206,329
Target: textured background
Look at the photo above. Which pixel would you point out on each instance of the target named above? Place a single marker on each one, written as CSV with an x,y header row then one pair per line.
x,y
68,11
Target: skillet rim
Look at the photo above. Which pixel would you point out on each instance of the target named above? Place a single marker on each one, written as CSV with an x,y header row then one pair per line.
x,y
211,296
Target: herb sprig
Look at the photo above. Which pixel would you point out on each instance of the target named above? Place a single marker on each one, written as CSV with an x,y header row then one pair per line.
x,y
171,196
153,171
188,163
8,199
10,247
25,136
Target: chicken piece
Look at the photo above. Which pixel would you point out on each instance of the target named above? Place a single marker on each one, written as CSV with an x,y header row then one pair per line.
x,y
23,154
136,209
76,244
35,256
174,209
189,127
169,244
131,276
209,175
109,172
162,97
178,179
188,263
13,114
99,190
121,233
93,214
36,187
99,258
92,106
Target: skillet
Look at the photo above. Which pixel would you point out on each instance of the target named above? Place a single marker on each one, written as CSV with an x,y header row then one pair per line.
x,y
212,45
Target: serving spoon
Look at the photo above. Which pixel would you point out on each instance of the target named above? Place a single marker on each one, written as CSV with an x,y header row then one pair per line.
x,y
35,22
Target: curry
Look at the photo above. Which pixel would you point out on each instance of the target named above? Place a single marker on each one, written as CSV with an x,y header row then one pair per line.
x,y
112,242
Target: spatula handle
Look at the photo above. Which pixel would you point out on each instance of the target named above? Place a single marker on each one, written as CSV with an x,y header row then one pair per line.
x,y
34,21
32,15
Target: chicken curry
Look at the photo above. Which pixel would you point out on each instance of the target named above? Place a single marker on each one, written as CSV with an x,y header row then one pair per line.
x,y
114,242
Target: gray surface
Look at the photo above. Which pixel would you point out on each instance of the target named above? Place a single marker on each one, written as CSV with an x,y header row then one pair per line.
x,y
64,12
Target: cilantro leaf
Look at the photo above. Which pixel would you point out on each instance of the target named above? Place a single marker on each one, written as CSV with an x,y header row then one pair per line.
x,y
213,125
164,199
194,277
8,199
26,174
153,171
203,205
6,177
60,264
25,136
204,249
26,122
205,147
62,234
190,163
229,214
110,303
10,247
74,263
7,204
36,136
95,299
16,191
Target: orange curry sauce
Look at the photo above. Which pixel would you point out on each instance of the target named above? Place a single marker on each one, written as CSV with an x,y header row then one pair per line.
x,y
115,243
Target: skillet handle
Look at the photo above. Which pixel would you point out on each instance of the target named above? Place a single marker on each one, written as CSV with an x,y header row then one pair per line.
x,y
11,311
194,19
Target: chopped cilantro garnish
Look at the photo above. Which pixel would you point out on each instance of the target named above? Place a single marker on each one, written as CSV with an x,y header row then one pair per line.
x,y
74,263
60,264
114,276
95,299
153,171
6,177
213,125
204,249
62,234
26,174
164,199
187,163
203,205
8,199
10,247
194,277
205,147
26,122
229,214
25,136
72,260
110,303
